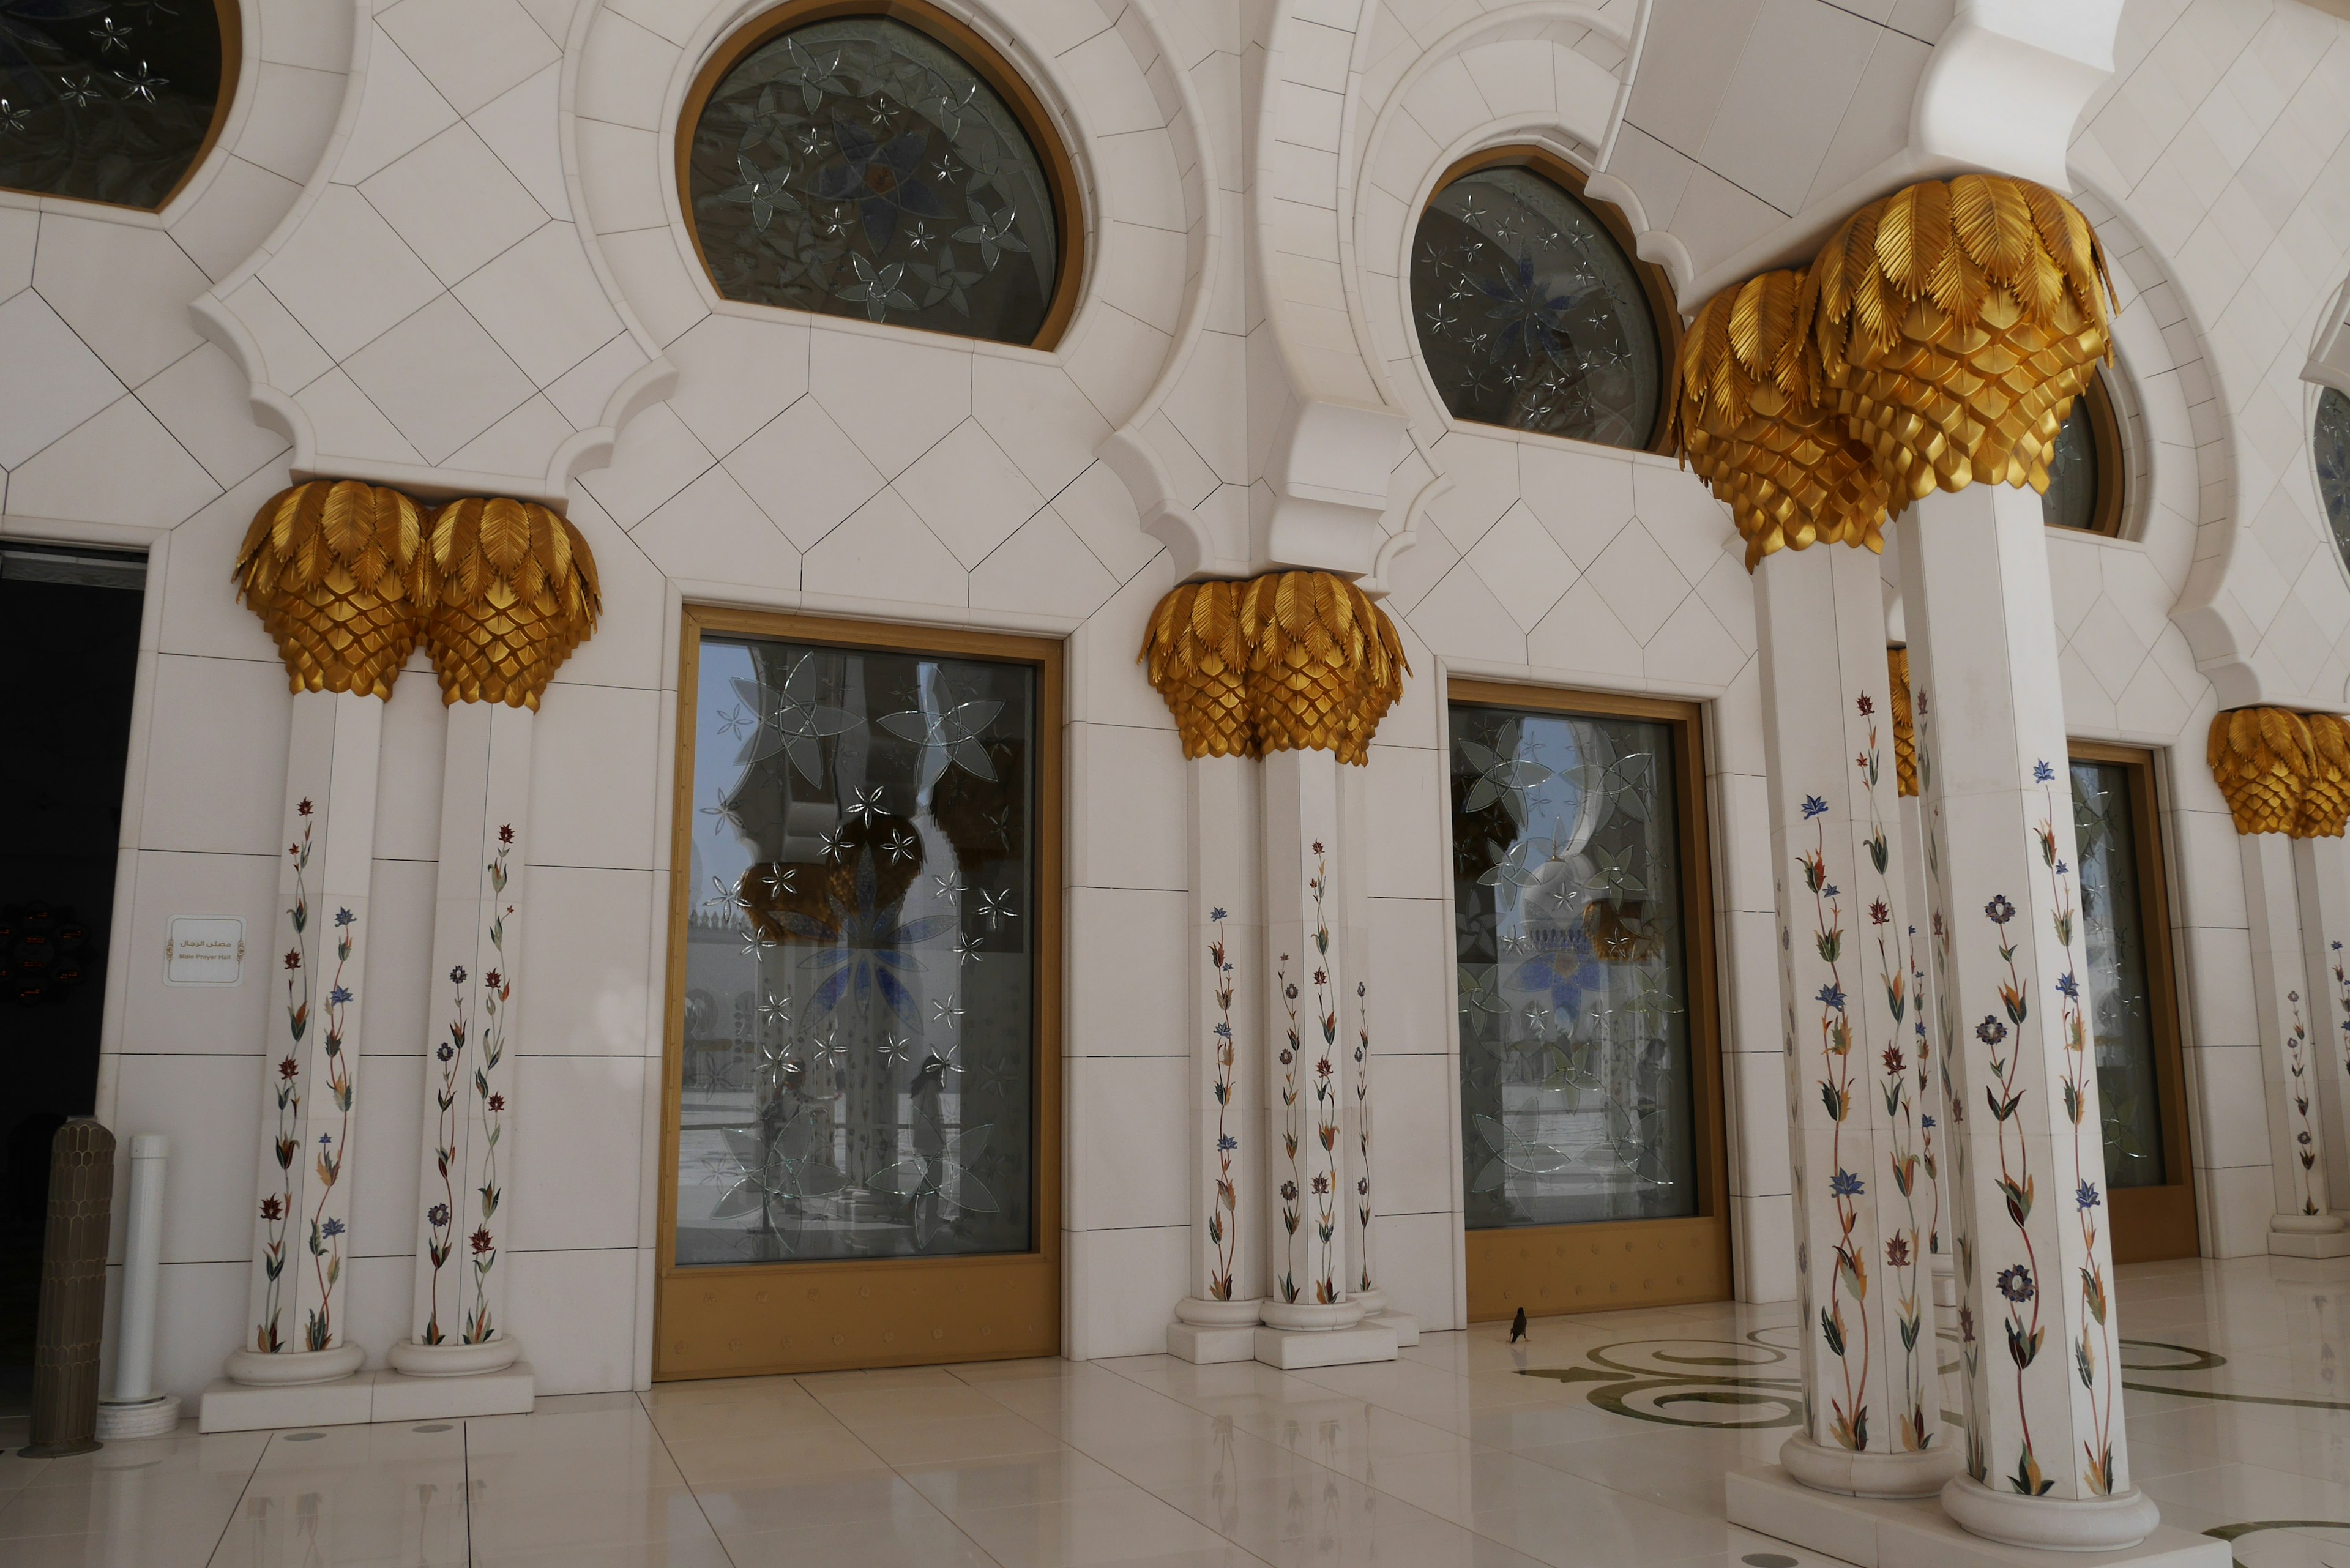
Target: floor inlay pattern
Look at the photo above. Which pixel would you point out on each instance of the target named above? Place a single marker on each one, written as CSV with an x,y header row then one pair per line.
x,y
1601,1442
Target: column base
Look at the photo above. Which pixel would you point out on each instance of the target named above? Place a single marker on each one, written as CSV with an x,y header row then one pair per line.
x,y
381,1396
1915,1533
1309,1316
2103,1524
1402,1325
1840,1470
2308,1236
1293,1350
257,1369
1205,1346
119,1422
417,1359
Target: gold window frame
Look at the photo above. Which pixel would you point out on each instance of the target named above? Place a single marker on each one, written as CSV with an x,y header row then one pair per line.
x,y
1612,1264
727,1320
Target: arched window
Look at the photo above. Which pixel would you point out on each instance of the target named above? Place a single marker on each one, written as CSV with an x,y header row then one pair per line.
x,y
1531,310
2330,443
114,103
881,162
2085,471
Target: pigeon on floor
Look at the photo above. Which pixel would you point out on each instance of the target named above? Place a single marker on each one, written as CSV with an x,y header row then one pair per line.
x,y
1518,1326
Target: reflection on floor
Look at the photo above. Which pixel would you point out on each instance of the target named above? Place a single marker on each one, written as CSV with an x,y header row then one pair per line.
x,y
1610,1452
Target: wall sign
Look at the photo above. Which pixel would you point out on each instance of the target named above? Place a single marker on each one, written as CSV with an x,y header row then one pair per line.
x,y
204,950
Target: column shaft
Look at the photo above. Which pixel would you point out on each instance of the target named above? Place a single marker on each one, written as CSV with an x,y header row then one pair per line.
x,y
2037,1330
2322,874
2290,1054
467,1134
1863,1206
310,1087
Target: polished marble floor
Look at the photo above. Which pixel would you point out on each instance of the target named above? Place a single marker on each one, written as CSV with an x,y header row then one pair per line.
x,y
1603,1441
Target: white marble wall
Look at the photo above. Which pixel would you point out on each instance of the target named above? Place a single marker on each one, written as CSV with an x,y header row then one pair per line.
x,y
831,466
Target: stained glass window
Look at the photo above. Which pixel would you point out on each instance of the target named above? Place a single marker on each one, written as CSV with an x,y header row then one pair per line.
x,y
2331,441
1530,315
860,167
2121,987
859,1015
109,100
1578,1094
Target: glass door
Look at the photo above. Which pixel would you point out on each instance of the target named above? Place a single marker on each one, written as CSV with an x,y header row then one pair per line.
x,y
863,1128
1590,1093
2125,916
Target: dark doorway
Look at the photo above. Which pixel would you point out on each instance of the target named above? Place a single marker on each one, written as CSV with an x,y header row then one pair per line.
x,y
70,646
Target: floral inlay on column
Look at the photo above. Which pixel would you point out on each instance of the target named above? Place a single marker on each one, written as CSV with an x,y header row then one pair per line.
x,y
1363,1133
277,1208
1223,1217
1326,1094
2304,1149
1291,1134
1848,1417
326,1240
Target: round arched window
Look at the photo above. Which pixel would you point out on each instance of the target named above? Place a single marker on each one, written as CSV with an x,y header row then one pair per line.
x,y
2330,443
890,167
1529,310
2085,470
115,103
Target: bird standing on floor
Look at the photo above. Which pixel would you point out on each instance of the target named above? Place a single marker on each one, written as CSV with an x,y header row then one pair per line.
x,y
1518,1326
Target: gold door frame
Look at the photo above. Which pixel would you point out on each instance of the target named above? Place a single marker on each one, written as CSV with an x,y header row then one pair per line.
x,y
2152,1223
735,1320
1610,1264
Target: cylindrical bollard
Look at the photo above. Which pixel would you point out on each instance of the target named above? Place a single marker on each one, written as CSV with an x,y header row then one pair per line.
x,y
136,1408
73,1291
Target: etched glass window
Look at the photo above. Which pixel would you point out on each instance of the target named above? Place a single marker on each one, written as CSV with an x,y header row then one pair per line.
x,y
860,1023
2331,447
1530,315
109,100
2071,499
1576,1081
2120,983
860,167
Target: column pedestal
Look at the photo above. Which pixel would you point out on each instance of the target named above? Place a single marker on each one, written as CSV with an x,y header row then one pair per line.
x,y
1876,1532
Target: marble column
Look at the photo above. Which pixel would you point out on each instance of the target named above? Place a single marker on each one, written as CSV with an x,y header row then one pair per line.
x,y
1310,1314
1934,1025
2046,1458
2291,1055
458,1321
1864,1204
1359,1038
2321,875
296,1324
1217,1320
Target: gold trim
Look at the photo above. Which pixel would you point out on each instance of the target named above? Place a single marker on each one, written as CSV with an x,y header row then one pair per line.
x,y
1743,409
516,593
1287,661
1956,321
231,23
1036,121
2262,760
1614,1264
1664,311
1905,732
338,573
2152,1223
758,1319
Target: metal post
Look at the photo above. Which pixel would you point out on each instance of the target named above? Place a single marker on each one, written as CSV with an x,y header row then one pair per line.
x,y
137,1409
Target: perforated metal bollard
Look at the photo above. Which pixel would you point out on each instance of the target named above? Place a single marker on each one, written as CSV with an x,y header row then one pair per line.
x,y
73,1291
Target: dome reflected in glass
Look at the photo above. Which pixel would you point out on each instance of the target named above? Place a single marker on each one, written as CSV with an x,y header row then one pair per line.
x,y
2331,444
1530,315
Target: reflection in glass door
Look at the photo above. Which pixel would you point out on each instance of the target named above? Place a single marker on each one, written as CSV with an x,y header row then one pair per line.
x,y
1592,1171
862,1056
2125,926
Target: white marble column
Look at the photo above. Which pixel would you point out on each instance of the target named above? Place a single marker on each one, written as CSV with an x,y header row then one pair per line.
x,y
2322,874
297,1324
2046,1457
1932,1034
458,1322
1360,1039
2303,1224
1310,1315
1862,1203
1217,1321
